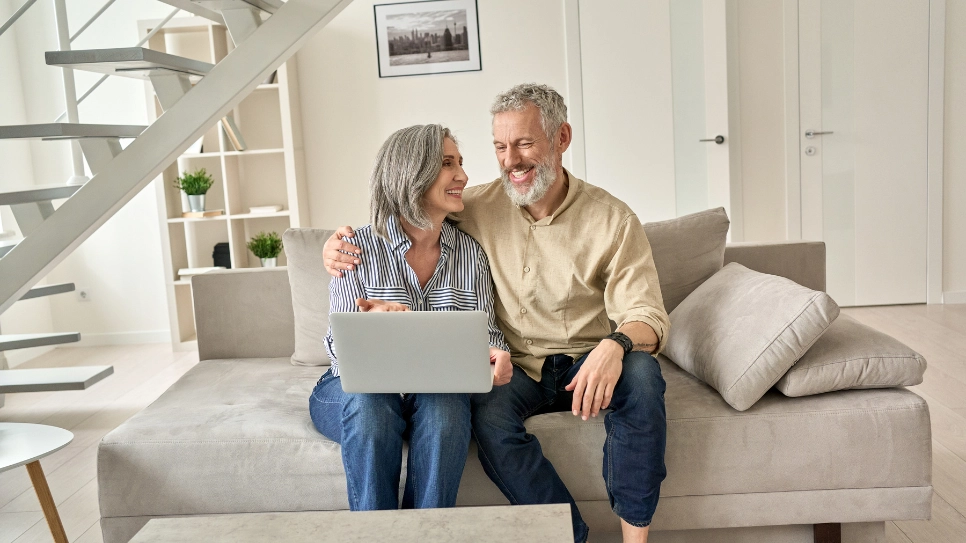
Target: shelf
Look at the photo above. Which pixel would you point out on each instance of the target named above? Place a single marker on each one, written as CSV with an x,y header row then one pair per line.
x,y
233,153
182,282
269,86
282,213
197,219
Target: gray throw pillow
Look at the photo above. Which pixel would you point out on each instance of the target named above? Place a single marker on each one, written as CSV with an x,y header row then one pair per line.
x,y
741,330
687,251
852,355
310,293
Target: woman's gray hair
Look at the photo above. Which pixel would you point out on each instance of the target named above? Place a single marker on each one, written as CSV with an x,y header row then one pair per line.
x,y
553,110
406,166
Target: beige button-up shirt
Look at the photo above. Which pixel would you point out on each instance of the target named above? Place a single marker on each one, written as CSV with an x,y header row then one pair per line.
x,y
561,280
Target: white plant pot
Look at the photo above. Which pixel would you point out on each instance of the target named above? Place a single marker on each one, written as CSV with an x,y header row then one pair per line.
x,y
269,262
196,202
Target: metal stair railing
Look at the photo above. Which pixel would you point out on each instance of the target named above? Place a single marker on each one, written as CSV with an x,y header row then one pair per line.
x,y
277,39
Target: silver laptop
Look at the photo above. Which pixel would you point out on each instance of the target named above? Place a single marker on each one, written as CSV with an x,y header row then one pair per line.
x,y
413,351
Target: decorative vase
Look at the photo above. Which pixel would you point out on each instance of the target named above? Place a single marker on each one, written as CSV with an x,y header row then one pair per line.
x,y
269,262
196,202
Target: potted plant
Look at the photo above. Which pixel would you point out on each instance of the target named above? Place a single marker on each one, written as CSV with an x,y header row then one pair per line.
x,y
266,246
195,185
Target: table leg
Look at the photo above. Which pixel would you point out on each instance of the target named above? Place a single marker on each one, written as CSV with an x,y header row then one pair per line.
x,y
46,501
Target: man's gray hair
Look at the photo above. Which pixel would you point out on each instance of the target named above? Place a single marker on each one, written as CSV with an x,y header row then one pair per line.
x,y
406,166
553,110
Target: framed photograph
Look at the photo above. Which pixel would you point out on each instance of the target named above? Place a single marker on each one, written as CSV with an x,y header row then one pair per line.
x,y
429,37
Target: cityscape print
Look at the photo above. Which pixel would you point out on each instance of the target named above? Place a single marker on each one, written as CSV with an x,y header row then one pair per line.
x,y
427,37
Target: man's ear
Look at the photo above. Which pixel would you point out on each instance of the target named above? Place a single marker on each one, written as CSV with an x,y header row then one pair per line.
x,y
564,137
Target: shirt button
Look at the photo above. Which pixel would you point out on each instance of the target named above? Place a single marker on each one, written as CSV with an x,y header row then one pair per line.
x,y
526,269
523,310
529,342
533,227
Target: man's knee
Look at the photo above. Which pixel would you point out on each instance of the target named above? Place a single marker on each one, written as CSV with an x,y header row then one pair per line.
x,y
641,379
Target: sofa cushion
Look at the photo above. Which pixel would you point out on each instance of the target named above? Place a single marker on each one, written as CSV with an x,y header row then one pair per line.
x,y
687,251
235,436
310,293
741,330
852,355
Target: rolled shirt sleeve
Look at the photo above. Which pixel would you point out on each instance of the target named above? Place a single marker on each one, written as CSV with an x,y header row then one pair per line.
x,y
632,292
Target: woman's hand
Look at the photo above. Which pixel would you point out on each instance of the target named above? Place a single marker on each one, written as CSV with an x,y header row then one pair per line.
x,y
334,253
502,367
379,306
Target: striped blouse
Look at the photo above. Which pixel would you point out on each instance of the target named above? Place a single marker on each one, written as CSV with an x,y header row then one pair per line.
x,y
461,281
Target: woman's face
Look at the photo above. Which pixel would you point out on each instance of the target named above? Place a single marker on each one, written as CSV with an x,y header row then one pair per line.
x,y
445,196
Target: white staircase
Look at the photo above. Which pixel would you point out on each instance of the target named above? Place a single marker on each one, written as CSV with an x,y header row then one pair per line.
x,y
195,95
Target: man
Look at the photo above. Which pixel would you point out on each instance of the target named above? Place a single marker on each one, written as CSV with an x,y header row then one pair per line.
x,y
566,258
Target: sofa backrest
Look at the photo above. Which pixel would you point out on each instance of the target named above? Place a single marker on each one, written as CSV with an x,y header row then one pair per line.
x,y
800,261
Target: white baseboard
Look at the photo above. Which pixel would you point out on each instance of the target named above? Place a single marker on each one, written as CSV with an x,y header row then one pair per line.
x,y
957,297
122,338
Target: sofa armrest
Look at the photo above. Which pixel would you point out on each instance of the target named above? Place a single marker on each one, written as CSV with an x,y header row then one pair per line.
x,y
800,261
244,313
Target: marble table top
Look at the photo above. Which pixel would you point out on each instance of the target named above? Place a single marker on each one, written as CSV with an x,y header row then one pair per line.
x,y
500,524
21,444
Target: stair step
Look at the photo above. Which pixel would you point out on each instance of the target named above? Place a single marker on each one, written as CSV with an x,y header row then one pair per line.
x,y
9,342
268,6
52,379
135,62
69,131
6,246
48,290
41,193
211,9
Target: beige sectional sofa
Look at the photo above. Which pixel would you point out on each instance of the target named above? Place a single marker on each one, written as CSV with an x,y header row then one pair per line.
x,y
234,435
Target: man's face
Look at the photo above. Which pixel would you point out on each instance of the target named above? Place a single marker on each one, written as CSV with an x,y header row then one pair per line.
x,y
528,159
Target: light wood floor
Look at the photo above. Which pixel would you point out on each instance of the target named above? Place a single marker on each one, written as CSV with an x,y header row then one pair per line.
x,y
143,372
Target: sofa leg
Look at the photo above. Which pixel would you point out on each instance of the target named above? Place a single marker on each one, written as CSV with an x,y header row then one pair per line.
x,y
827,533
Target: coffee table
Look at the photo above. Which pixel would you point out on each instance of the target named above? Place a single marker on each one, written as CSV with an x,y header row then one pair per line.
x,y
501,524
25,445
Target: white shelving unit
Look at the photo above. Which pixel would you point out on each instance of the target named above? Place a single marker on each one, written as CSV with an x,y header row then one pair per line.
x,y
269,172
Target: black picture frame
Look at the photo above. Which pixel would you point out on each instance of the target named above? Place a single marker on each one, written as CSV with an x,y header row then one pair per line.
x,y
414,38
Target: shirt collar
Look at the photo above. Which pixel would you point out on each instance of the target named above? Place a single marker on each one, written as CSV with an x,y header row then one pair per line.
x,y
399,240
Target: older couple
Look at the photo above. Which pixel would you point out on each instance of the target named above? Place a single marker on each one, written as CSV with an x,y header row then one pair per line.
x,y
567,258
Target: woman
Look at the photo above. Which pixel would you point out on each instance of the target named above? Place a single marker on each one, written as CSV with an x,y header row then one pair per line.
x,y
415,260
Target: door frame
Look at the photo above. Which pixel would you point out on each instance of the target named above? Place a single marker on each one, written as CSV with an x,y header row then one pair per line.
x,y
934,140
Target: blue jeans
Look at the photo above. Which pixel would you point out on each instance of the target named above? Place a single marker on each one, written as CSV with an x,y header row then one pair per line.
x,y
371,429
633,451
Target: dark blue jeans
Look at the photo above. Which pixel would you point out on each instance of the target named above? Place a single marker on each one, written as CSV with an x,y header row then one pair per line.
x,y
633,451
371,429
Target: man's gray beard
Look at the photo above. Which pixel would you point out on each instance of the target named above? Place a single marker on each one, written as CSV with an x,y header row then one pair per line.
x,y
543,179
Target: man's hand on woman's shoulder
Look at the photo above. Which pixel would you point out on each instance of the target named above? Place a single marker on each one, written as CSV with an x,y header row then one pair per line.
x,y
338,255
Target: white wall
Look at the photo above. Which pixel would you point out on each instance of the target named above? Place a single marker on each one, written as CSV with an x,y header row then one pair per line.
x,y
761,80
348,111
628,114
954,167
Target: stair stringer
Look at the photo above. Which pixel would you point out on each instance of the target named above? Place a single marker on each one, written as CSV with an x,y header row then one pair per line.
x,y
277,39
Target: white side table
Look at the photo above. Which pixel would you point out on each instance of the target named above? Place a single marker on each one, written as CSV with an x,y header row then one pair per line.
x,y
25,445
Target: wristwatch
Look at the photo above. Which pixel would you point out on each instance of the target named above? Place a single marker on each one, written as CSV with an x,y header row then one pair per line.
x,y
622,340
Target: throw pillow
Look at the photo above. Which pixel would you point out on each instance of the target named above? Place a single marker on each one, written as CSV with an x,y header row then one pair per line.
x,y
310,293
687,251
741,330
852,355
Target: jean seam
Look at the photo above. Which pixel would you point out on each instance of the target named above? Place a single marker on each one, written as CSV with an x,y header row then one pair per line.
x,y
411,462
609,443
350,487
485,458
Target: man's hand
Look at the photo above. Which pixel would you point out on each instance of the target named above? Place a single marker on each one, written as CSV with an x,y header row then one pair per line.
x,y
593,386
334,253
379,306
502,367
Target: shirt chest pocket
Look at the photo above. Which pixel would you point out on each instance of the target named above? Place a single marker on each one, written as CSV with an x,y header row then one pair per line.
x,y
390,293
452,299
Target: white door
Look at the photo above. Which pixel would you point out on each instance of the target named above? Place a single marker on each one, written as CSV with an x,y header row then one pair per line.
x,y
705,133
863,91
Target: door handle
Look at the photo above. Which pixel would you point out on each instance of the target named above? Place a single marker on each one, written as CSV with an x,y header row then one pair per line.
x,y
717,139
813,133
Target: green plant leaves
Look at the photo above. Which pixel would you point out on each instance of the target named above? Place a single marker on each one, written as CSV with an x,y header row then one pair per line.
x,y
265,245
194,184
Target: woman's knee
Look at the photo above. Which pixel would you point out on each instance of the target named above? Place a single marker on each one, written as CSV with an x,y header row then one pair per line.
x,y
449,412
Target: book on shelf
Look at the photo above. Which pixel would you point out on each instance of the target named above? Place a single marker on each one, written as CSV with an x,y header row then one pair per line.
x,y
233,134
203,214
